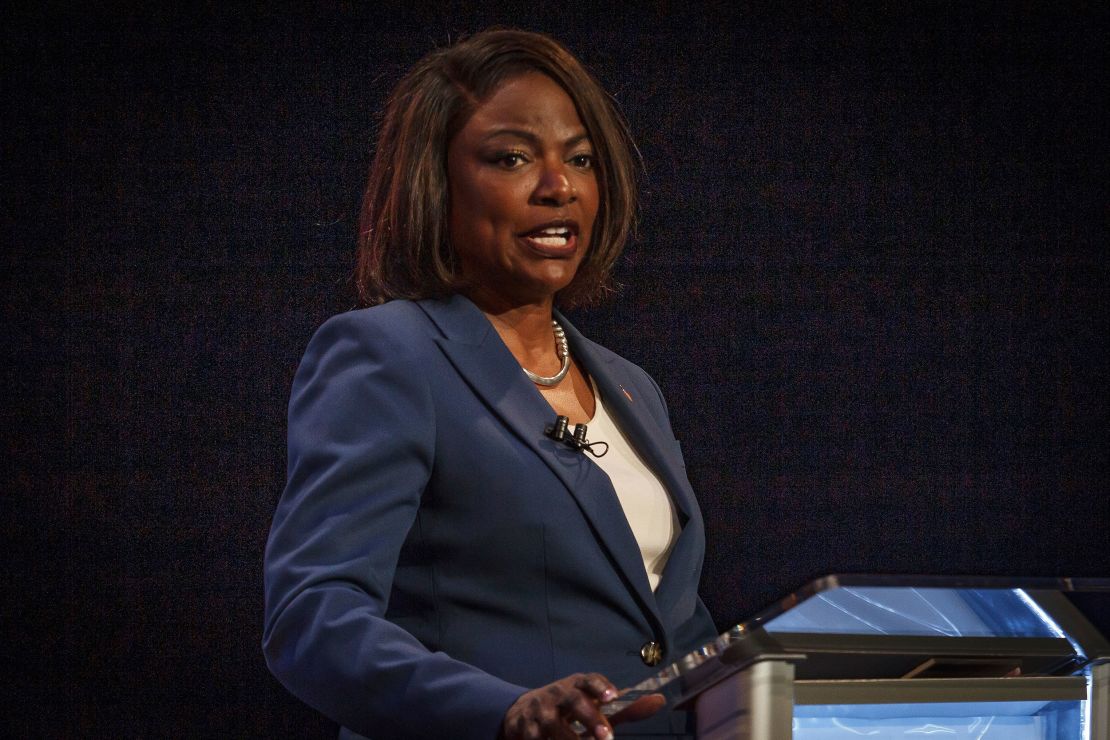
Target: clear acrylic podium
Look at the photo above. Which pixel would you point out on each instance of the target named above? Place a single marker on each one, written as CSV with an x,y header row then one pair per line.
x,y
884,657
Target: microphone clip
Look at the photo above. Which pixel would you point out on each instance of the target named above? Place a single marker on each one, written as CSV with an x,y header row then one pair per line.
x,y
560,432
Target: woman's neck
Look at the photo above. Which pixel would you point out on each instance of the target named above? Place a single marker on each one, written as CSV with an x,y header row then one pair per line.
x,y
525,329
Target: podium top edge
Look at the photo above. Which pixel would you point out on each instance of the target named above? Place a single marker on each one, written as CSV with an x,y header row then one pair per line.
x,y
1042,583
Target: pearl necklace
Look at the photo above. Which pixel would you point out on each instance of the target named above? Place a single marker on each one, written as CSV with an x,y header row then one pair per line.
x,y
564,352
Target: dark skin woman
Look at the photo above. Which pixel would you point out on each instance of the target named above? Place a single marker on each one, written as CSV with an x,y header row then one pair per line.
x,y
520,169
521,172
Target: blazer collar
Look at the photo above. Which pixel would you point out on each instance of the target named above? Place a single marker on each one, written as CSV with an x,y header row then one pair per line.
x,y
482,359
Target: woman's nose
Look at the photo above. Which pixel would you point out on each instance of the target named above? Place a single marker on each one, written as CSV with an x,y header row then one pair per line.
x,y
554,188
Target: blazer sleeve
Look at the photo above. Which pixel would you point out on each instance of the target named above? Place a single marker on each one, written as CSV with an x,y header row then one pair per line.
x,y
361,446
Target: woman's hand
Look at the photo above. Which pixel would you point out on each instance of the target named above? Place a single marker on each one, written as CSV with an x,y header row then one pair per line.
x,y
547,712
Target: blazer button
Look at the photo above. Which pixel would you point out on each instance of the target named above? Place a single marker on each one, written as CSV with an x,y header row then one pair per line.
x,y
651,653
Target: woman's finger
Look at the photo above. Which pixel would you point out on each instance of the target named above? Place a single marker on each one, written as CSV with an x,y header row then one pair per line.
x,y
580,706
598,686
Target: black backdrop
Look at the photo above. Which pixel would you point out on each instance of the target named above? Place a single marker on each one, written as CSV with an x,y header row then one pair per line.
x,y
871,280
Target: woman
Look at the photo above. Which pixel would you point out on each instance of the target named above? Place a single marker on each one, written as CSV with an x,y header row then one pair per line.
x,y
438,567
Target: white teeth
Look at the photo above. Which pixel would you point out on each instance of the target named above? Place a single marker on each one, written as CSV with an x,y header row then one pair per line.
x,y
551,236
550,241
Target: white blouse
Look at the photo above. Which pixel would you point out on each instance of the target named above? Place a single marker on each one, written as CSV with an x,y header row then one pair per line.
x,y
650,512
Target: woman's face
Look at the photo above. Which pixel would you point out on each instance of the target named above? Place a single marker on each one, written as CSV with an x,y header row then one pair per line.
x,y
523,193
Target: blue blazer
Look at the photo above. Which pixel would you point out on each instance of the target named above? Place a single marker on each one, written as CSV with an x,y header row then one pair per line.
x,y
434,555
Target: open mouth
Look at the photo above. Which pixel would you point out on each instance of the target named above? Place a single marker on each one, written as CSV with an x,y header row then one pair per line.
x,y
555,238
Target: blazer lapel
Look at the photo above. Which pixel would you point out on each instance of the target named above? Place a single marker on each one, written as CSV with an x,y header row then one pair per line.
x,y
627,401
485,363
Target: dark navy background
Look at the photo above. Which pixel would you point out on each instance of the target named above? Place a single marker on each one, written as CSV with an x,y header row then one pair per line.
x,y
871,280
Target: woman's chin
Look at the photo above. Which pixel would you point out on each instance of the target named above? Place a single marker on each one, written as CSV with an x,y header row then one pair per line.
x,y
527,290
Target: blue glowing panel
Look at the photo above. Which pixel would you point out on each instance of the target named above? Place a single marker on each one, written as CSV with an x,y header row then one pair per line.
x,y
964,721
903,610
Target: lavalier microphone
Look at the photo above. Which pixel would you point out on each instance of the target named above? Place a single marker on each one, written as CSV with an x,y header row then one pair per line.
x,y
560,432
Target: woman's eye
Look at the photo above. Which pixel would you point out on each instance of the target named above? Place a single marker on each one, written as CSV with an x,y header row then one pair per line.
x,y
583,161
510,160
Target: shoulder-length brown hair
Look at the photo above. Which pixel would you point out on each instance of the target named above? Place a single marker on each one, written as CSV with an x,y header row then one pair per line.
x,y
404,249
